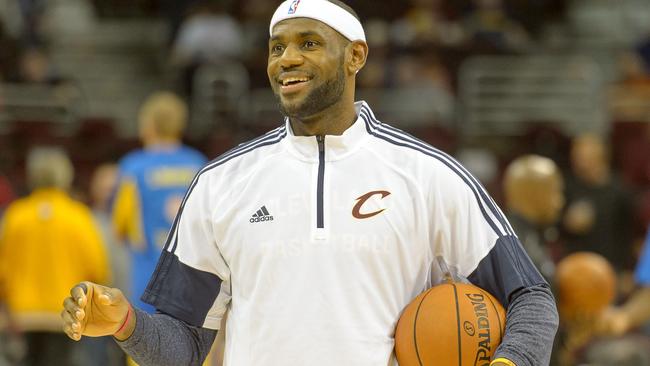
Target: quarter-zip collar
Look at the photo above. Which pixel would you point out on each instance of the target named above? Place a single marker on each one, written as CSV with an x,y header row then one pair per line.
x,y
337,146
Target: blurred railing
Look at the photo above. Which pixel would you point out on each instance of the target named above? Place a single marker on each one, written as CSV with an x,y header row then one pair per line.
x,y
502,95
40,102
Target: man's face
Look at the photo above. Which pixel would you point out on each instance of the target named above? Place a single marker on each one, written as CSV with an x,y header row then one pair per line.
x,y
306,66
588,157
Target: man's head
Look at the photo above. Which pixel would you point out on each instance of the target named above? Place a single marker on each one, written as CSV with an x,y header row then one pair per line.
x,y
534,189
590,158
49,167
102,184
315,50
162,119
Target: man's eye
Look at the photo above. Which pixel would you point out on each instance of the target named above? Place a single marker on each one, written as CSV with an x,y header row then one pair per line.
x,y
310,44
277,48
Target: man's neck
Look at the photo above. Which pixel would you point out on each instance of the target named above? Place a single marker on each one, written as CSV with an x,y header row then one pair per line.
x,y
333,120
160,141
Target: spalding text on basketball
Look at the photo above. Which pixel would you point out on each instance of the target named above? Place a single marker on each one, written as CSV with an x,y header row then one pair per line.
x,y
483,325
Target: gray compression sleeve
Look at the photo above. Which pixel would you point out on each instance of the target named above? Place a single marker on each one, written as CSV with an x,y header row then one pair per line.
x,y
532,321
161,340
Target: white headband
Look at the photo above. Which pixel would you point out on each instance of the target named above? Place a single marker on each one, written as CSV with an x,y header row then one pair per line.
x,y
321,10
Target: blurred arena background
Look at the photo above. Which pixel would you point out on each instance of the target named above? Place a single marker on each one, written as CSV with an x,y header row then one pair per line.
x,y
484,80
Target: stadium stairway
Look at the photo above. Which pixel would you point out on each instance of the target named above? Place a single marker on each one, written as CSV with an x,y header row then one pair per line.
x,y
115,62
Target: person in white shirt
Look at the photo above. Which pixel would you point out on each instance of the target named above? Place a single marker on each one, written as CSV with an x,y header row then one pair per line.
x,y
316,235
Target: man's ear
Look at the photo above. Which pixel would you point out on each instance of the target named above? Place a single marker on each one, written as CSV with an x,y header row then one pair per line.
x,y
357,53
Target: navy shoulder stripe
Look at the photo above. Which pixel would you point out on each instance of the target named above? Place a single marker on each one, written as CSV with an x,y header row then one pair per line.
x,y
182,291
269,135
494,217
270,138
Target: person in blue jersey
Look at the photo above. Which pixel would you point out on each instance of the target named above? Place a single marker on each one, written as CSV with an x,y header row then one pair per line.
x,y
635,312
315,236
152,183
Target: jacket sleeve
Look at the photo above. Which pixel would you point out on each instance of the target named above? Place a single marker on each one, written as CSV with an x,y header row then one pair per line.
x,y
477,242
192,279
162,340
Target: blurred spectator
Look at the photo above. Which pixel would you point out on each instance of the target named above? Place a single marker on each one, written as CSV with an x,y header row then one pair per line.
x,y
628,98
534,199
36,68
44,239
636,310
489,27
630,110
102,351
604,23
151,185
425,23
102,185
599,208
424,85
208,35
66,18
620,322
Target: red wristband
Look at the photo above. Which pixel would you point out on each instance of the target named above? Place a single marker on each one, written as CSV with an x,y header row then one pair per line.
x,y
126,320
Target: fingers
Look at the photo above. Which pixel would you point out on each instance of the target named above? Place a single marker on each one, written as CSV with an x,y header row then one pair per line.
x,y
81,292
73,313
72,316
73,308
71,326
87,291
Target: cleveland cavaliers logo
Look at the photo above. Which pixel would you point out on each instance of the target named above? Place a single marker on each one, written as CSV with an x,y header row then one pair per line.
x,y
356,210
294,6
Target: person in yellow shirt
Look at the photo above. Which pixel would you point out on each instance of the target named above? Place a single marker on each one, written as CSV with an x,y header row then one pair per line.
x,y
41,238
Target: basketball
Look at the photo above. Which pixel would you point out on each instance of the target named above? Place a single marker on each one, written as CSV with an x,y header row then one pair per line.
x,y
450,324
586,284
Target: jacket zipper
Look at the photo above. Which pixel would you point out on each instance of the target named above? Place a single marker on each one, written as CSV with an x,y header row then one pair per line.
x,y
319,188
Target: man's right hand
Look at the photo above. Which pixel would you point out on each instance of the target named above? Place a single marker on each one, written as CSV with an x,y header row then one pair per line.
x,y
94,310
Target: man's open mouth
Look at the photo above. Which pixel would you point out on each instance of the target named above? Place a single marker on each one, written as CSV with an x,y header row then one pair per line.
x,y
293,81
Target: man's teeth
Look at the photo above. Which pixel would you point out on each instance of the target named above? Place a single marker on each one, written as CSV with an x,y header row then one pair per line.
x,y
288,81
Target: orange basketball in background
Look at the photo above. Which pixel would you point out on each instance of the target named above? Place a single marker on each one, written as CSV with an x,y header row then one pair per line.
x,y
586,284
450,324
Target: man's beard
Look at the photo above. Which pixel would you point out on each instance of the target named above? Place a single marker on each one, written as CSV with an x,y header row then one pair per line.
x,y
318,99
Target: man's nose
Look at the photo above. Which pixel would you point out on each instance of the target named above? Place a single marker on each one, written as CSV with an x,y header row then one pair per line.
x,y
291,57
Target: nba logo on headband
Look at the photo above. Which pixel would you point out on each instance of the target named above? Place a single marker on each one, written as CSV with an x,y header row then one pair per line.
x,y
323,11
293,7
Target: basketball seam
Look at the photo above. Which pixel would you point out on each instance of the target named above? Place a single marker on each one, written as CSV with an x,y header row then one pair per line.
x,y
496,311
415,326
460,354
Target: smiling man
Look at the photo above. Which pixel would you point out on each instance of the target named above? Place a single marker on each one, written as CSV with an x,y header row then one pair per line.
x,y
316,235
